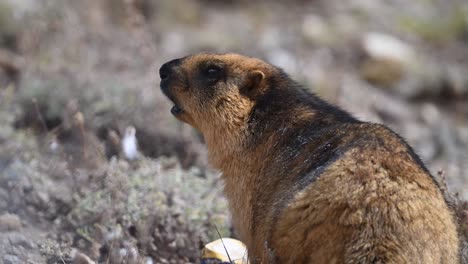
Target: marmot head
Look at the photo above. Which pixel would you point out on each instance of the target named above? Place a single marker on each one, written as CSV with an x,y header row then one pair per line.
x,y
214,90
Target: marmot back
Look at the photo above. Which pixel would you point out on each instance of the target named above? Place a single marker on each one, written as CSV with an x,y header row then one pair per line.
x,y
307,182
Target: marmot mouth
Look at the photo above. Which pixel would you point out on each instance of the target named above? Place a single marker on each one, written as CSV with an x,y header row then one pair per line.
x,y
176,110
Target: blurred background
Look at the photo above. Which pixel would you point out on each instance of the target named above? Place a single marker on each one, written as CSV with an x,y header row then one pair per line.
x,y
79,83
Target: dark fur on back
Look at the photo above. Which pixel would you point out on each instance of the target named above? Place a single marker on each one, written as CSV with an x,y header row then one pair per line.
x,y
321,135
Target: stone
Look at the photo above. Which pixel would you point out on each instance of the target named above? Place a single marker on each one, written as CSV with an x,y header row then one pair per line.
x,y
383,46
10,222
388,59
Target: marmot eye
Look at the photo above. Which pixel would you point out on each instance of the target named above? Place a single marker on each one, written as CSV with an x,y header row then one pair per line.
x,y
212,71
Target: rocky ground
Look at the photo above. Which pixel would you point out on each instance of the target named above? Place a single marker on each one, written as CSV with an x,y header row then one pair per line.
x,y
75,75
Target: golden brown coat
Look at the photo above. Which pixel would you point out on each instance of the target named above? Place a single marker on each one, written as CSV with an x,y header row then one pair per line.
x,y
306,182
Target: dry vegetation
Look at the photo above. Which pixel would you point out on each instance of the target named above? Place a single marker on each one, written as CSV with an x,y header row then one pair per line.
x,y
75,74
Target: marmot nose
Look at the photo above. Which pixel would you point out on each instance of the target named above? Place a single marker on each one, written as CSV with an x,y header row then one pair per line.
x,y
166,70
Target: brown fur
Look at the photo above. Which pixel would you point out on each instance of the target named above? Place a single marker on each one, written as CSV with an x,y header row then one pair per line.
x,y
306,182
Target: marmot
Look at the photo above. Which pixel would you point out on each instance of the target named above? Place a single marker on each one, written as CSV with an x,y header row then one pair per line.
x,y
307,182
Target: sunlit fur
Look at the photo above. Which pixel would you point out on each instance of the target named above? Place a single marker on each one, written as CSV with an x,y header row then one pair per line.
x,y
306,181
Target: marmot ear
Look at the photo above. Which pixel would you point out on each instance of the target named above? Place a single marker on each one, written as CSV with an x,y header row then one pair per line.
x,y
252,83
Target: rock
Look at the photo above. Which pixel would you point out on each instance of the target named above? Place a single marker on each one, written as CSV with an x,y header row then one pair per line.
x,y
430,78
388,59
392,63
10,222
382,46
382,72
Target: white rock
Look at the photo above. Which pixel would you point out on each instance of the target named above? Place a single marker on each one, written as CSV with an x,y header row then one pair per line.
x,y
382,46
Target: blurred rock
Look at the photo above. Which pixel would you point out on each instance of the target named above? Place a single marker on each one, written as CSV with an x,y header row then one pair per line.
x,y
382,71
382,46
10,222
394,64
388,59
